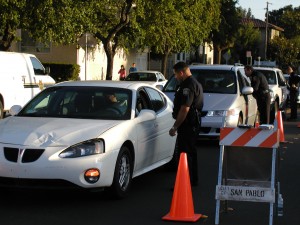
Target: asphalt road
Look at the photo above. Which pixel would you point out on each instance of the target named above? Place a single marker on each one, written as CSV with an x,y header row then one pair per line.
x,y
150,198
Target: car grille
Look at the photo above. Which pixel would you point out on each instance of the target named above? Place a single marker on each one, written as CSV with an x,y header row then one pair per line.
x,y
29,155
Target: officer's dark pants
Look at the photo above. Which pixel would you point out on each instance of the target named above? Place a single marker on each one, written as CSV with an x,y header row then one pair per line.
x,y
293,104
186,140
263,106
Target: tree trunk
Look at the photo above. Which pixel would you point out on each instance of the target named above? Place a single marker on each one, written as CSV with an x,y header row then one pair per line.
x,y
110,59
7,39
164,64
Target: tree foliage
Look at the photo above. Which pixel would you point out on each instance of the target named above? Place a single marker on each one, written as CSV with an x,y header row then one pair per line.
x,y
175,25
11,16
285,51
224,36
248,39
288,18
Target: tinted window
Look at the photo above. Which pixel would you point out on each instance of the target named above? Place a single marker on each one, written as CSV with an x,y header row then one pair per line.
x,y
216,81
157,100
270,75
37,66
141,77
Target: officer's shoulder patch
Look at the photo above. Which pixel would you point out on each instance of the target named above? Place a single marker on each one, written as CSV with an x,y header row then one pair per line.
x,y
186,91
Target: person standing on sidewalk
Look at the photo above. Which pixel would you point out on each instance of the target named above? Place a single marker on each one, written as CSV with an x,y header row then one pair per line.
x,y
293,86
188,103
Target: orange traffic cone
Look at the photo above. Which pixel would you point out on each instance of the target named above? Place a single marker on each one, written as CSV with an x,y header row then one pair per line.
x,y
280,127
182,207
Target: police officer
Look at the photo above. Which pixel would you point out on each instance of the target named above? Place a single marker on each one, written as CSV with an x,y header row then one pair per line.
x,y
188,103
293,86
260,93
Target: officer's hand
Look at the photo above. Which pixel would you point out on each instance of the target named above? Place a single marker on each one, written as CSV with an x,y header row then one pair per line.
x,y
172,131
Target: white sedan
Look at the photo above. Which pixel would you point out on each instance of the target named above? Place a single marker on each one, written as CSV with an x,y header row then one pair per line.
x,y
88,134
154,78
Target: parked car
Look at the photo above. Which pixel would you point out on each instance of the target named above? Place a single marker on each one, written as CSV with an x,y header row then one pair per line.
x,y
287,76
228,99
154,78
70,135
21,77
278,88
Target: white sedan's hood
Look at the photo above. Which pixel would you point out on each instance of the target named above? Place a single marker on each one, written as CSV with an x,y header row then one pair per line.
x,y
217,101
45,132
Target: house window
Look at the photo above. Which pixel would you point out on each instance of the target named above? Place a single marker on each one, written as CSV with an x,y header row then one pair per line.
x,y
30,45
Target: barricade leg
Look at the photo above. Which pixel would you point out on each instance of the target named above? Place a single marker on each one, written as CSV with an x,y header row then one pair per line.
x,y
272,185
219,183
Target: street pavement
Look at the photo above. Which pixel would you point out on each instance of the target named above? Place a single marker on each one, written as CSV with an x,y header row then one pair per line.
x,y
151,196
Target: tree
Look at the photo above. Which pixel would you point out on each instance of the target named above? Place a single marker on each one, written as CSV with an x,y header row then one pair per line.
x,y
248,39
224,36
175,25
10,17
285,51
287,18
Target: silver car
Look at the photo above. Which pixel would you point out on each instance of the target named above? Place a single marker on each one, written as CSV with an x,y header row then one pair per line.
x,y
228,99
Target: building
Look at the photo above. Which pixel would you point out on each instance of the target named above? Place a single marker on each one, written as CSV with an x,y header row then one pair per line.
x,y
267,32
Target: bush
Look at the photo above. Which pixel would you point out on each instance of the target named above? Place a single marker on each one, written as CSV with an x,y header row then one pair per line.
x,y
63,72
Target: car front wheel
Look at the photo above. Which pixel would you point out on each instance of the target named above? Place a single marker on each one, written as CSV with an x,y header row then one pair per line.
x,y
123,174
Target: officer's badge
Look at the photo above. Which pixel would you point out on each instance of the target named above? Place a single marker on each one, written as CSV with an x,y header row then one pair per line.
x,y
186,92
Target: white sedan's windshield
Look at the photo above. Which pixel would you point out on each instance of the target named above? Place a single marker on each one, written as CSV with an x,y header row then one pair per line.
x,y
81,102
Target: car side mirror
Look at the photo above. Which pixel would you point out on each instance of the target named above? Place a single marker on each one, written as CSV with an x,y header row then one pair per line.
x,y
146,115
247,90
15,109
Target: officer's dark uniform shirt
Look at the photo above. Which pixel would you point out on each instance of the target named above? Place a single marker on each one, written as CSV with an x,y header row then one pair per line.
x,y
293,80
259,84
189,93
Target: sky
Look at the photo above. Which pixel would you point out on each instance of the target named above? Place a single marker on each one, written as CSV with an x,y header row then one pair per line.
x,y
258,7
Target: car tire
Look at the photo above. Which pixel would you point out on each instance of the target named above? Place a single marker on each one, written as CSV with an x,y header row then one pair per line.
x,y
273,112
123,174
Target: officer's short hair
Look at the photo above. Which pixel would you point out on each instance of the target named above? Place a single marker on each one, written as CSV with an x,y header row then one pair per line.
x,y
248,67
180,66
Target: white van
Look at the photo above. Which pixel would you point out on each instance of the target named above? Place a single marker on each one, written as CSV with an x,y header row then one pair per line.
x,y
22,76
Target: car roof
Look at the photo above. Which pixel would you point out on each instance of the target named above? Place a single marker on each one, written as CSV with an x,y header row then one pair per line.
x,y
105,83
216,67
146,71
265,68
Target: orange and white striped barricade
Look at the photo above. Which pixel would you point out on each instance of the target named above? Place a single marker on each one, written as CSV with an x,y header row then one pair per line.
x,y
248,166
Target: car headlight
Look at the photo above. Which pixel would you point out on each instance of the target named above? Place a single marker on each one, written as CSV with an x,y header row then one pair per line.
x,y
216,113
272,95
231,112
86,148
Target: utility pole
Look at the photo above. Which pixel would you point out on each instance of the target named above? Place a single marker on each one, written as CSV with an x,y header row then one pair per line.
x,y
267,23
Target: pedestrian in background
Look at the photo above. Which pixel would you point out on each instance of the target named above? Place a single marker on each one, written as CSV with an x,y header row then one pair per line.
x,y
293,86
122,73
132,68
261,93
188,103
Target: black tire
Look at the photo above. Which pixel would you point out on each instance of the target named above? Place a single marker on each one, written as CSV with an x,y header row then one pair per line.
x,y
2,113
273,112
123,174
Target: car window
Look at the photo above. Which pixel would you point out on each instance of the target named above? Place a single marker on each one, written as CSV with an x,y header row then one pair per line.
x,y
270,76
171,85
142,102
281,79
141,77
157,100
216,81
81,102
